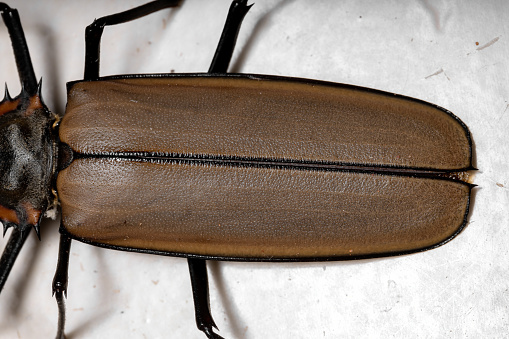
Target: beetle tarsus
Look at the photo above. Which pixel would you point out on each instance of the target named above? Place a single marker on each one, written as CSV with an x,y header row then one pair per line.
x,y
209,333
4,7
59,296
200,285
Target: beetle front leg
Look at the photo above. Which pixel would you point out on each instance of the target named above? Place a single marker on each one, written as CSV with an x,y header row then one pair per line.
x,y
11,251
94,31
200,285
60,281
20,48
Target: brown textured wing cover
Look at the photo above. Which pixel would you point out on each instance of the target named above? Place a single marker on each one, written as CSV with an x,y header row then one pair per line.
x,y
259,212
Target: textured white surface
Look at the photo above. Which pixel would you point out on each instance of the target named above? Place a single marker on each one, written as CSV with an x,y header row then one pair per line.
x,y
422,49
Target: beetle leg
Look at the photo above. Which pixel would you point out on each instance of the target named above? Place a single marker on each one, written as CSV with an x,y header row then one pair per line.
x,y
200,284
60,281
94,31
226,45
11,251
20,48
198,267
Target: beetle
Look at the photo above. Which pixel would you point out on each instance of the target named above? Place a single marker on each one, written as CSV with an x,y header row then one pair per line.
x,y
258,176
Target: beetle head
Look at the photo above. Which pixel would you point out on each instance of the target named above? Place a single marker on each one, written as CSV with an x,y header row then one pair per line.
x,y
26,159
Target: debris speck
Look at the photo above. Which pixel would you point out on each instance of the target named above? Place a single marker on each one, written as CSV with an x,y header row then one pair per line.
x,y
488,44
441,70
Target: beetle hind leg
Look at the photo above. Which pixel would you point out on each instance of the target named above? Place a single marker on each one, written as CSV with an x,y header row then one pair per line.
x,y
200,285
60,281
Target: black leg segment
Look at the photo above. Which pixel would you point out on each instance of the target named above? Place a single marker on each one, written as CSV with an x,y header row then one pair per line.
x,y
200,284
224,51
60,281
20,48
94,32
18,237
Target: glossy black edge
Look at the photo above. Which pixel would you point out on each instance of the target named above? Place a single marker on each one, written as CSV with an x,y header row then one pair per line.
x,y
287,165
273,259
286,79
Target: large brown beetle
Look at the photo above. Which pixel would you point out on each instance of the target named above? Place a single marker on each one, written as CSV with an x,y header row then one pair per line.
x,y
228,167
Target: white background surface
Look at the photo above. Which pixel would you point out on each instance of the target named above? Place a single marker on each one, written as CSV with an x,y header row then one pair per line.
x,y
422,49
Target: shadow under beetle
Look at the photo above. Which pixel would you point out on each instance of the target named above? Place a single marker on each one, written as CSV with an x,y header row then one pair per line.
x,y
218,166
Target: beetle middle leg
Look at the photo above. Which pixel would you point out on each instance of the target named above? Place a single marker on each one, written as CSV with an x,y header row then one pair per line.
x,y
198,267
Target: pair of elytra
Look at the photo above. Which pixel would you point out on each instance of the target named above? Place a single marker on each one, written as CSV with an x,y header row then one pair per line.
x,y
219,166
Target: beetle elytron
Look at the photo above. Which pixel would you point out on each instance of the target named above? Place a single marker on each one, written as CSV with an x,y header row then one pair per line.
x,y
218,166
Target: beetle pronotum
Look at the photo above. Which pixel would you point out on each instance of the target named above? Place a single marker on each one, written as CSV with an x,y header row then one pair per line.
x,y
259,168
